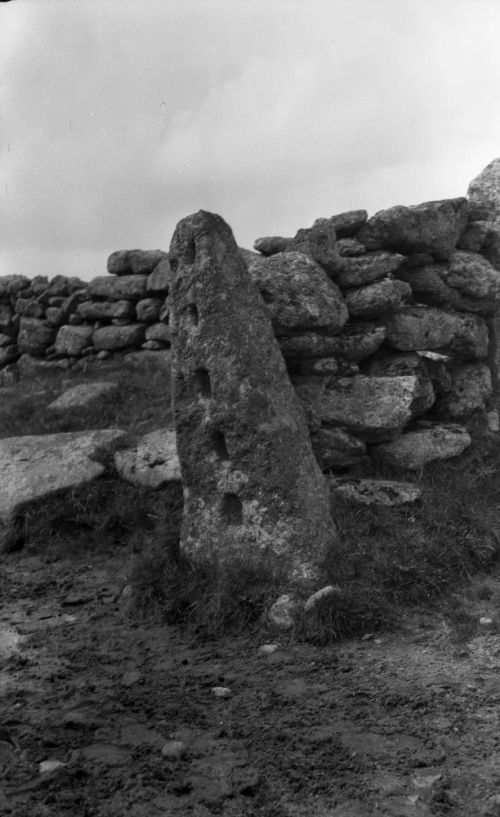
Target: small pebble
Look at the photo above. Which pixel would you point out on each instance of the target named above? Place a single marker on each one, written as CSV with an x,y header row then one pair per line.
x,y
174,749
221,692
282,611
268,649
47,766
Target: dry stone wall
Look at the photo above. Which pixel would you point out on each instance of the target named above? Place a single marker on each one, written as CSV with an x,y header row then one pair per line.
x,y
389,326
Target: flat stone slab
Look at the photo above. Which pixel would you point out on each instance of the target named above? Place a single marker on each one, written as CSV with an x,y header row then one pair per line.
x,y
389,493
83,395
34,467
152,461
415,449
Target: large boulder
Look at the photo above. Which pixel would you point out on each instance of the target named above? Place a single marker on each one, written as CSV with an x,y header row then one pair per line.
x,y
374,409
320,243
134,262
364,269
432,227
421,328
413,450
347,224
152,461
272,244
379,298
484,193
356,342
105,310
112,338
160,332
253,492
401,364
148,310
34,467
84,395
298,294
11,285
72,340
470,389
128,287
34,336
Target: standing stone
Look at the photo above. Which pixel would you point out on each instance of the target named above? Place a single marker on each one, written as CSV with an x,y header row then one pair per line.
x,y
254,494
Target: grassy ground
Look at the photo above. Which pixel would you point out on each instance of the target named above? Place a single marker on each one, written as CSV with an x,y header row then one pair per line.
x,y
442,550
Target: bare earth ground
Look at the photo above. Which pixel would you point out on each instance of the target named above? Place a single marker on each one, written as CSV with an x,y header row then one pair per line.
x,y
398,724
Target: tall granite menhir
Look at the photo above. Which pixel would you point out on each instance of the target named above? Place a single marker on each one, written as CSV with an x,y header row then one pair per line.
x,y
254,492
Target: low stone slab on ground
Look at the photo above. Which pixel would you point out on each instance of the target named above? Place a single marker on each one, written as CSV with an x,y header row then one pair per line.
x,y
375,491
415,449
34,467
83,395
152,461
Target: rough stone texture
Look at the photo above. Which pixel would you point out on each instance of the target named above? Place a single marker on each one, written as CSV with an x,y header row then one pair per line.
x,y
160,332
350,247
159,280
389,364
152,462
374,409
129,287
269,245
430,286
298,294
148,309
159,361
54,315
34,467
29,308
105,310
253,489
484,193
29,366
335,448
491,247
385,492
367,268
6,314
83,395
356,342
432,227
11,285
473,276
377,299
72,340
347,224
34,336
470,389
320,243
417,328
138,262
415,449
118,337
475,235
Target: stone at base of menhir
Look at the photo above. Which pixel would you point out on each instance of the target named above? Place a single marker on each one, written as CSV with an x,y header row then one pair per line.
x,y
382,492
254,495
413,450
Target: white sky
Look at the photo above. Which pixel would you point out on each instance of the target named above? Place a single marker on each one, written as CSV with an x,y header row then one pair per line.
x,y
119,118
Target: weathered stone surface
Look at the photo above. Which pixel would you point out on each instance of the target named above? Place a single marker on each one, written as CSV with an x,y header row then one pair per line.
x,y
356,342
13,284
491,247
419,328
374,409
347,224
429,285
367,268
152,361
433,227
298,294
335,448
470,389
484,193
254,493
29,366
72,340
148,309
83,395
377,299
396,364
473,276
152,462
128,287
5,340
320,243
160,332
384,492
34,336
8,354
38,286
105,310
475,235
134,262
272,244
29,308
118,337
54,315
415,449
34,467
6,314
159,280
350,247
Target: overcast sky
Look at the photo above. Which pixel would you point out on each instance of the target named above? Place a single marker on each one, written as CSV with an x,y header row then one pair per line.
x,y
119,118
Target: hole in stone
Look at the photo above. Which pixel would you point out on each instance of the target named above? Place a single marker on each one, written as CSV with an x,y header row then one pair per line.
x,y
219,444
192,313
189,251
203,382
232,510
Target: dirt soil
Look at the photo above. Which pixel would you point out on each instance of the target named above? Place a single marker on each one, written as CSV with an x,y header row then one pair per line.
x,y
102,713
